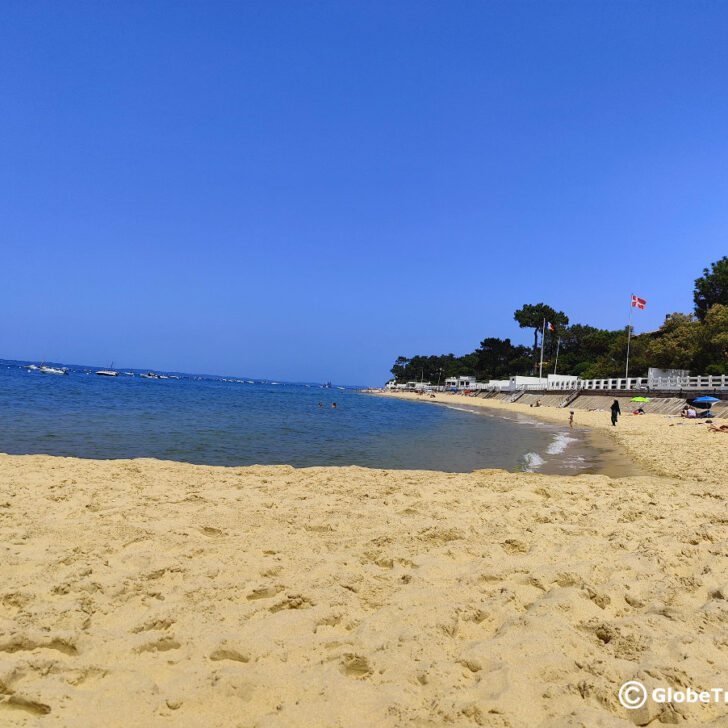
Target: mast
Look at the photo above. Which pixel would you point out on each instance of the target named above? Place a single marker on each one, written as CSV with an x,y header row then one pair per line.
x,y
543,333
629,336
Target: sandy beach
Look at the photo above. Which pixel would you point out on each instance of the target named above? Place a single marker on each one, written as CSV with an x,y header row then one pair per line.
x,y
150,593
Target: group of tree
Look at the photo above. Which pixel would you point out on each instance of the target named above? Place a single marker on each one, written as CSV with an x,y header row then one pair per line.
x,y
695,341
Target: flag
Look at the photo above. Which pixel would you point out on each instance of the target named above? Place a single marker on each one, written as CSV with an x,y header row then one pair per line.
x,y
638,302
550,327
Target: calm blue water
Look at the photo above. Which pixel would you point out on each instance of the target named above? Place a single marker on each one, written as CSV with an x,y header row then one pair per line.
x,y
226,423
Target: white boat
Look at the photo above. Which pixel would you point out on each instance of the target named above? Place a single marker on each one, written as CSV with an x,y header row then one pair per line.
x,y
129,374
108,372
52,370
149,375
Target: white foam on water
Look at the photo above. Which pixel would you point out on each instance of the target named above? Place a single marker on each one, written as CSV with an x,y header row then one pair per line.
x,y
531,461
559,444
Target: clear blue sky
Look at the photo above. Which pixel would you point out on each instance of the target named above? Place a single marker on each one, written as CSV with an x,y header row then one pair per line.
x,y
306,190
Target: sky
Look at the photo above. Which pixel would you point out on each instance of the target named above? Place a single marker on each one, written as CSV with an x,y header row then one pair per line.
x,y
304,191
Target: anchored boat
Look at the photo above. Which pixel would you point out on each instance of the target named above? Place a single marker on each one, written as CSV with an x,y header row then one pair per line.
x,y
108,372
52,370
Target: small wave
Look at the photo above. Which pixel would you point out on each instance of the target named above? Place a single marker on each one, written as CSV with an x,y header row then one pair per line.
x,y
531,461
559,444
461,409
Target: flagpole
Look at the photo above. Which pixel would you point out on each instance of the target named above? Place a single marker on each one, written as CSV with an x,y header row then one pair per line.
x,y
629,336
558,344
543,333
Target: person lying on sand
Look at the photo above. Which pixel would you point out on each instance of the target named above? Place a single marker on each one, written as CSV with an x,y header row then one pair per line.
x,y
717,428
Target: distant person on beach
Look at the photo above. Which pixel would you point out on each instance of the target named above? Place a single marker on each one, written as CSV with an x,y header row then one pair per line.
x,y
615,412
538,403
571,418
717,428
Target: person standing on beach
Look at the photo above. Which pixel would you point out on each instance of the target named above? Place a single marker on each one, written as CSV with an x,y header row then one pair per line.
x,y
615,412
571,419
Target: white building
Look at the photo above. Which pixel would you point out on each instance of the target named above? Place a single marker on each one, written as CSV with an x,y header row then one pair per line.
x,y
463,382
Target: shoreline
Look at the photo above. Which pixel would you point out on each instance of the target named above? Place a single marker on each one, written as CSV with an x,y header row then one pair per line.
x,y
658,444
603,455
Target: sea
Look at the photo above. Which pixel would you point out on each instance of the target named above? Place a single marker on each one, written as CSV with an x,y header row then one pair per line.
x,y
238,421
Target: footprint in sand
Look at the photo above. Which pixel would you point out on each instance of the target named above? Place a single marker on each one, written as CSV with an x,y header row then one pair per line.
x,y
161,644
34,707
264,592
356,666
230,650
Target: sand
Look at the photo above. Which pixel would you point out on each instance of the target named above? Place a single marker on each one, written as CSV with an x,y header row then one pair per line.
x,y
149,593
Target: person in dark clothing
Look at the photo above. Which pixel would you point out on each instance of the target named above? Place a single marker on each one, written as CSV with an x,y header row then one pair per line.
x,y
615,412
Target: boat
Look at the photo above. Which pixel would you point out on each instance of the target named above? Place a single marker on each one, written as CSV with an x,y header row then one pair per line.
x,y
108,372
326,385
129,374
52,370
149,375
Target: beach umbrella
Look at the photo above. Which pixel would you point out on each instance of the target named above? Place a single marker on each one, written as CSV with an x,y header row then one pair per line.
x,y
639,399
703,402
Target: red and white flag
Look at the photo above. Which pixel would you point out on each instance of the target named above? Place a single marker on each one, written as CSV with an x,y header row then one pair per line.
x,y
638,302
550,327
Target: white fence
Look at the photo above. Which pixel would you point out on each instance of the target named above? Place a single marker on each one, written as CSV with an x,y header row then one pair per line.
x,y
665,384
633,383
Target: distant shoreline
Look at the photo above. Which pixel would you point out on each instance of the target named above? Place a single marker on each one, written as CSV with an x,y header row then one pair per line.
x,y
603,456
659,444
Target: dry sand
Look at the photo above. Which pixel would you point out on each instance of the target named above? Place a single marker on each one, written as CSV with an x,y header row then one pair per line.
x,y
147,593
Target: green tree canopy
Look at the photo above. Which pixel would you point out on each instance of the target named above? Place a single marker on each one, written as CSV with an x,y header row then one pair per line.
x,y
532,316
711,287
